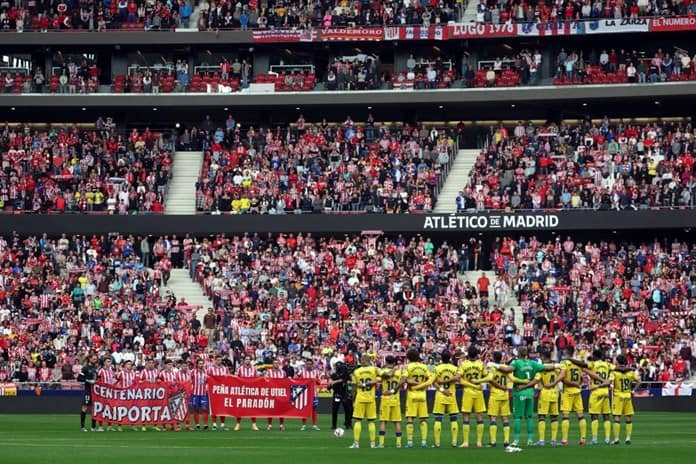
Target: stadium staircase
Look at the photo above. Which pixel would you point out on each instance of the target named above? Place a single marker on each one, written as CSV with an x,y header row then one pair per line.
x,y
182,286
512,306
469,15
457,179
181,195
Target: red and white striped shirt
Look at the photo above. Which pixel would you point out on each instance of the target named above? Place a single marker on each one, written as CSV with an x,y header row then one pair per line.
x,y
246,372
169,375
199,378
276,374
313,374
107,376
126,378
218,371
149,375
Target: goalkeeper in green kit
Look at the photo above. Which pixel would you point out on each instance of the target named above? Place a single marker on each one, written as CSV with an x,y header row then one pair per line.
x,y
523,370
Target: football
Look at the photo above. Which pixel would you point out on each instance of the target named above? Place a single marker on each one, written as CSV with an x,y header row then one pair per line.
x,y
338,433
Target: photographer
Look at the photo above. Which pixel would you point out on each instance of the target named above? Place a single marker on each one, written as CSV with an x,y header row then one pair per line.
x,y
342,394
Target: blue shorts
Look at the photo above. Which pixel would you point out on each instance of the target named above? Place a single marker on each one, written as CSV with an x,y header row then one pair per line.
x,y
199,401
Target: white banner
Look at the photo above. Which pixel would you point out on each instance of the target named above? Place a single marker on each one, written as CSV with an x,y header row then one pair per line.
x,y
613,26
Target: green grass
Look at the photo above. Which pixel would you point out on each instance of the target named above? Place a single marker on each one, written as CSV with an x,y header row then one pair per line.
x,y
658,438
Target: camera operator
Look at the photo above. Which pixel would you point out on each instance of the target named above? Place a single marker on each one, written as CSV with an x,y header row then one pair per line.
x,y
342,395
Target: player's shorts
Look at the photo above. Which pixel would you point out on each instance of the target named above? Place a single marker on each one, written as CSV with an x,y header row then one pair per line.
x,y
199,401
416,408
523,404
473,403
622,406
599,402
365,410
548,404
571,402
499,407
87,398
390,411
449,406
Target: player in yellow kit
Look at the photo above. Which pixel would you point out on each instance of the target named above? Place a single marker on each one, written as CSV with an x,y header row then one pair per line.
x,y
417,377
499,400
624,381
365,379
548,399
571,400
472,374
446,379
390,403
599,371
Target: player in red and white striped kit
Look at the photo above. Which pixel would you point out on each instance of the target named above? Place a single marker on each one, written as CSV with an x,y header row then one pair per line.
x,y
199,394
218,370
246,371
126,377
107,375
149,374
308,372
275,372
170,375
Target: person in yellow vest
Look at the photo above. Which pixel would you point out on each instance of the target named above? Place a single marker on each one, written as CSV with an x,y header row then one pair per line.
x,y
365,380
390,403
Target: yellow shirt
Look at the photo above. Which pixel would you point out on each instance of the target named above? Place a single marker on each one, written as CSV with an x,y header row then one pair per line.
x,y
418,372
472,370
547,377
362,375
445,372
573,373
504,379
391,378
602,369
623,383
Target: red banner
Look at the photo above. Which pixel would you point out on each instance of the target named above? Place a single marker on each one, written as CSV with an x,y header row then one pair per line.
x,y
141,404
283,35
237,397
685,23
476,31
352,33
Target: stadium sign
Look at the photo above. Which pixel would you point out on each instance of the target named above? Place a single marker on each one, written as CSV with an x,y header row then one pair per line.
x,y
491,222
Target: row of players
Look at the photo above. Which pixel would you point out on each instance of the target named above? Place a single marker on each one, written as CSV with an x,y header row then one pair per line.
x,y
189,373
522,377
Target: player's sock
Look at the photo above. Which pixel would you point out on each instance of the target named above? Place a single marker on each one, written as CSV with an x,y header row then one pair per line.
x,y
617,429
409,432
197,418
594,425
530,429
565,428
607,430
398,439
357,428
542,430
424,430
222,421
304,421
94,424
583,428
372,431
437,430
506,432
382,433
205,419
479,431
493,431
282,422
465,431
314,418
516,429
554,429
454,428
629,428
83,415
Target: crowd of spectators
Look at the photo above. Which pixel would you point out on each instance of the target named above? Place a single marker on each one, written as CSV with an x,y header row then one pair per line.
x,y
319,167
70,169
498,12
293,297
425,73
602,165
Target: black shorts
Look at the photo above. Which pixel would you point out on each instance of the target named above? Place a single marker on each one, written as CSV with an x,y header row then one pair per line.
x,y
87,398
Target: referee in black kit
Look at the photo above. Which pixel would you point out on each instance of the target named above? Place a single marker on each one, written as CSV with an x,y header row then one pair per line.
x,y
88,375
340,385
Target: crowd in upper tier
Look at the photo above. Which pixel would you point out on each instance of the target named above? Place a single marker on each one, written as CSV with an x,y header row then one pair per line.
x,y
299,296
608,165
72,169
320,167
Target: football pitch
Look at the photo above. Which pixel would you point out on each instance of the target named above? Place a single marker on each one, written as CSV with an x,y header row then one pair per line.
x,y
658,438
